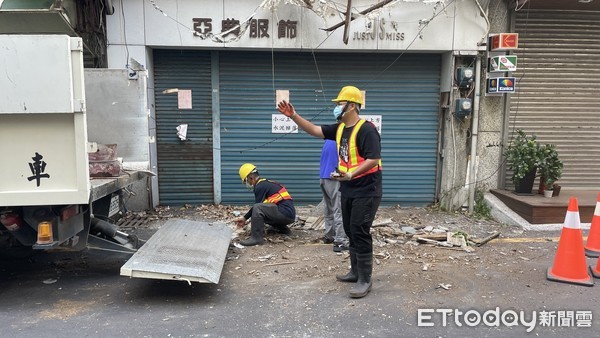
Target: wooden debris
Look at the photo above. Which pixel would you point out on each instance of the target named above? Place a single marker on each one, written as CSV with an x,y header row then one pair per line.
x,y
435,237
280,263
487,239
383,255
431,241
315,223
380,223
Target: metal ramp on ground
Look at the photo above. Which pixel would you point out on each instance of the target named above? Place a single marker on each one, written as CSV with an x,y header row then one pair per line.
x,y
184,250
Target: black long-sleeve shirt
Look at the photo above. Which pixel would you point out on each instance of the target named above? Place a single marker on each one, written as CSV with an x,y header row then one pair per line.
x,y
265,188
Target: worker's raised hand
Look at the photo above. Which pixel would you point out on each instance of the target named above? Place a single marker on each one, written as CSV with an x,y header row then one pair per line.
x,y
286,108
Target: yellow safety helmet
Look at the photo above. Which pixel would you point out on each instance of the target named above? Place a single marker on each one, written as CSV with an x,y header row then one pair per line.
x,y
350,94
245,170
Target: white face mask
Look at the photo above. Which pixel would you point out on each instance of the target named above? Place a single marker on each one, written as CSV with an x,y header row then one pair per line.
x,y
249,186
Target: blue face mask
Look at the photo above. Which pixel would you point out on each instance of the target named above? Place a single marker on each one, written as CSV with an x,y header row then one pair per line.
x,y
337,111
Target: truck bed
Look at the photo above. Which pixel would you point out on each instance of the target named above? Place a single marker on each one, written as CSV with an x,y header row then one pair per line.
x,y
104,186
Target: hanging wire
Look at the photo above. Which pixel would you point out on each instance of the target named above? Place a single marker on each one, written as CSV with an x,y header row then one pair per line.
x,y
423,24
125,36
220,37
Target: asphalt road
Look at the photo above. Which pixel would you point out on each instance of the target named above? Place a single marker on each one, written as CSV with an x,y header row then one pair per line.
x,y
82,295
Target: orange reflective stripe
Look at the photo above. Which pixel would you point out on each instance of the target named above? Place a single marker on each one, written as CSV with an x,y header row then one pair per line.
x,y
279,196
354,158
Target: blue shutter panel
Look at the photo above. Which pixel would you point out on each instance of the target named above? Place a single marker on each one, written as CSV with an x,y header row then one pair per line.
x,y
184,167
406,95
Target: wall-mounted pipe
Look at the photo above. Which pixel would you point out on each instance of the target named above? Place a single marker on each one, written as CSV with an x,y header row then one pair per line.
x,y
474,132
109,8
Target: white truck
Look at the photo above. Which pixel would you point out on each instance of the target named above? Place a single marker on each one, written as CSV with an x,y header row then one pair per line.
x,y
47,199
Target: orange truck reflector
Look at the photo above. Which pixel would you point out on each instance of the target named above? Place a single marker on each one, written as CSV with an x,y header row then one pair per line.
x,y
45,233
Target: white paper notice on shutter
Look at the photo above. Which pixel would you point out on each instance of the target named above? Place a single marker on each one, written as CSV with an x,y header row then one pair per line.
x,y
184,99
281,124
281,95
375,119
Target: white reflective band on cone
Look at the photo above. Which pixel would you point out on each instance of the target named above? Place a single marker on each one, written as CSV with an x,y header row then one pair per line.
x,y
597,210
572,220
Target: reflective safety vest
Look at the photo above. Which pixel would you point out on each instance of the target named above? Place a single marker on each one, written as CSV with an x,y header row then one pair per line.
x,y
279,196
354,158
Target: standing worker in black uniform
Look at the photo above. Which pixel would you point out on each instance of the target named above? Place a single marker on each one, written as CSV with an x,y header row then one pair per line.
x,y
359,171
272,205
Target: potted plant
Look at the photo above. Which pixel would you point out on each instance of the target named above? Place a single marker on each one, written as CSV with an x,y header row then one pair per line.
x,y
549,167
523,156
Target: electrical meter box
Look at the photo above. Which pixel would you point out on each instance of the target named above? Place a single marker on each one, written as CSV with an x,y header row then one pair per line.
x,y
43,131
462,107
464,76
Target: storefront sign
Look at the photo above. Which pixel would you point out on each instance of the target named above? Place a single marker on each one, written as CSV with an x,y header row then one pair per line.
x,y
501,85
380,30
504,41
503,63
288,29
259,28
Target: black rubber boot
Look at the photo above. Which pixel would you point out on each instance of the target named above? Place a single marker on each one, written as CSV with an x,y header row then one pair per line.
x,y
352,275
253,240
284,230
257,233
364,264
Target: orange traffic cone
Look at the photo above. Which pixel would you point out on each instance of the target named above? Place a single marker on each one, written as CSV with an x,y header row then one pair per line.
x,y
592,246
569,264
596,272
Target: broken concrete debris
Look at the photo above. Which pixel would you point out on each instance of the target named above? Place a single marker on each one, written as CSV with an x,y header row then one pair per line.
x,y
408,229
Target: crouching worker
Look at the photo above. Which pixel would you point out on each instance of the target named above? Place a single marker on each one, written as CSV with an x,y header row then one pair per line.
x,y
273,205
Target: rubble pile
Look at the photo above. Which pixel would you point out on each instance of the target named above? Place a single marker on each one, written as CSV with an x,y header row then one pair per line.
x,y
409,230
399,229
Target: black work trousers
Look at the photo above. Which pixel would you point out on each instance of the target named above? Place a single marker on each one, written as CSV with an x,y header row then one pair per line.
x,y
267,213
358,215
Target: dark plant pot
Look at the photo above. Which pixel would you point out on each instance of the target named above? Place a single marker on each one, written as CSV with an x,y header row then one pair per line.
x,y
525,185
556,190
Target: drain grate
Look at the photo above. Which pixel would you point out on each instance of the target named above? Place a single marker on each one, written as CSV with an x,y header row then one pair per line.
x,y
133,222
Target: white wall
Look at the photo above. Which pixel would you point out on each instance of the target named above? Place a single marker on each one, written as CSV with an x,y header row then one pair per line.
x,y
138,23
117,112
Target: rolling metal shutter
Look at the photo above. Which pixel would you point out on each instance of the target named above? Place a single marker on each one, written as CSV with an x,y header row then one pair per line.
x,y
406,95
558,97
185,171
